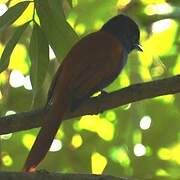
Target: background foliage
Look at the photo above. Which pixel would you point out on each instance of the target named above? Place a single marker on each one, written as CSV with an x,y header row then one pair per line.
x,y
140,139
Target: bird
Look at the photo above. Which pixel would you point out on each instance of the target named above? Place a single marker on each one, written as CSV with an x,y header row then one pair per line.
x,y
90,66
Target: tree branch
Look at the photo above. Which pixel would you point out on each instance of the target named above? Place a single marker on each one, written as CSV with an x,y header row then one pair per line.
x,y
56,176
137,92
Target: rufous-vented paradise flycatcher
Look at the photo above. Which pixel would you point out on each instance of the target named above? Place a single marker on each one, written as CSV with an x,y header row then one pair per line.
x,y
91,65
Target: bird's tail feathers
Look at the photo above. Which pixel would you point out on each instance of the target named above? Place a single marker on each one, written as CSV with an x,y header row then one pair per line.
x,y
45,137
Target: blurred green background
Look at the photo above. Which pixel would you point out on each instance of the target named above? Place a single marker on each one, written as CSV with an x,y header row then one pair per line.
x,y
140,139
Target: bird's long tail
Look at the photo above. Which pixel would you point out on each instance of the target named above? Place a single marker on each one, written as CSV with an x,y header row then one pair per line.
x,y
46,135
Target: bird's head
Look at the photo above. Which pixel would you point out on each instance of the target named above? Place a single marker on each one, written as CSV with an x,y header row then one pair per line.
x,y
126,30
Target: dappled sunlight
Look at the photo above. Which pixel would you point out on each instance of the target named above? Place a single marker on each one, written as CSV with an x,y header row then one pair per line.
x,y
3,8
71,19
6,136
105,130
76,141
60,133
111,115
96,15
3,77
28,140
1,48
170,154
162,8
139,139
74,3
10,112
164,154
137,136
162,172
149,151
124,79
166,99
176,68
96,94
7,160
126,107
1,96
139,150
56,145
122,3
120,155
146,58
145,122
146,2
101,126
19,60
175,155
145,73
27,14
162,25
51,53
98,24
98,163
163,31
16,79
27,83
80,28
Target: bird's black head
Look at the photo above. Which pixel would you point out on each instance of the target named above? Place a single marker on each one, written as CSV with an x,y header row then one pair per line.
x,y
125,29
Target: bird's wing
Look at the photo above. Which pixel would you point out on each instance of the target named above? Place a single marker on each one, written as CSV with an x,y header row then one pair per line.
x,y
94,60
98,64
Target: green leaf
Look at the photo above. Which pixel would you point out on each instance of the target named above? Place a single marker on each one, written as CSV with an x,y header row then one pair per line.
x,y
12,14
59,33
5,58
39,55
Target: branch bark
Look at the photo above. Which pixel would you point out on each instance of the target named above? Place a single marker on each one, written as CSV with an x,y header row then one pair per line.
x,y
33,119
56,176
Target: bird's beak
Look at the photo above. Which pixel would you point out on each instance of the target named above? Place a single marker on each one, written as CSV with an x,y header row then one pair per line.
x,y
138,47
